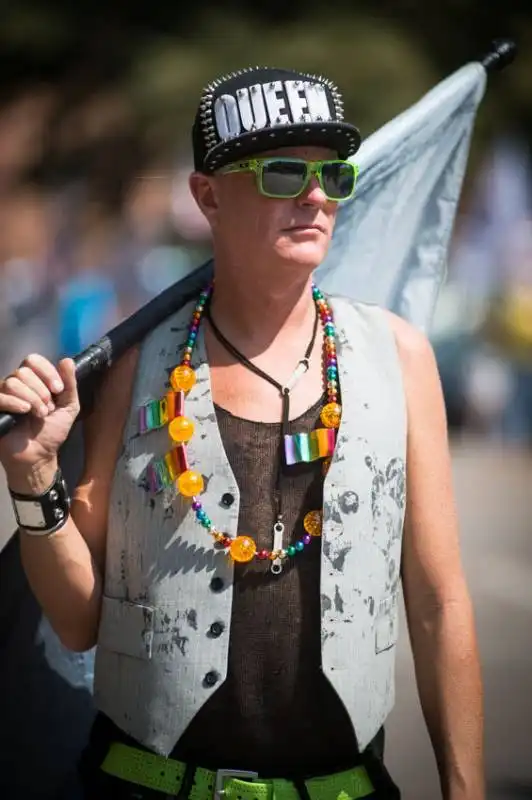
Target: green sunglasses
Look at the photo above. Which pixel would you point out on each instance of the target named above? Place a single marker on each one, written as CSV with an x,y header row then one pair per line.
x,y
285,178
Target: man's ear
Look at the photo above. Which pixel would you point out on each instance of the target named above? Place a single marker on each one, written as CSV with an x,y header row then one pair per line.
x,y
203,189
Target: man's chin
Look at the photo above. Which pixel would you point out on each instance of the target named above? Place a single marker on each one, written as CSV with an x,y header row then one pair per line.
x,y
307,255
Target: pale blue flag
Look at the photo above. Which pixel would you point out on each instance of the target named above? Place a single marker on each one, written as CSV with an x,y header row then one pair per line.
x,y
391,240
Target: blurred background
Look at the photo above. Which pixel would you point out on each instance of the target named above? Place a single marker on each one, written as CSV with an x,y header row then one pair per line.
x,y
96,105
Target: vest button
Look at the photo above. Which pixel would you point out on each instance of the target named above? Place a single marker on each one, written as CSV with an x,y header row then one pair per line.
x,y
216,629
227,499
217,584
210,678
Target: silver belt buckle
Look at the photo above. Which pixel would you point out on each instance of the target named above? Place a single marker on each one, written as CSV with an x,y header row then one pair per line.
x,y
222,775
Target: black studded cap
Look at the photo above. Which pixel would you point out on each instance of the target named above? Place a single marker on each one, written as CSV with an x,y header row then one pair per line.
x,y
262,108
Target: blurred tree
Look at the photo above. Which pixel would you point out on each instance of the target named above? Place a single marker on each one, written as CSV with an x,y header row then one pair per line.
x,y
125,77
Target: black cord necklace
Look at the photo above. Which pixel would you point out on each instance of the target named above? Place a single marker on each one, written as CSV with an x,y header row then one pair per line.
x,y
284,391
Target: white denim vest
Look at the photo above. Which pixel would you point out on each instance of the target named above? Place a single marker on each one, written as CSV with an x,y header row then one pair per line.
x,y
157,660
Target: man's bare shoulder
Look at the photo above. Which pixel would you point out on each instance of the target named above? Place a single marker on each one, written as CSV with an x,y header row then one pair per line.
x,y
427,423
411,341
414,348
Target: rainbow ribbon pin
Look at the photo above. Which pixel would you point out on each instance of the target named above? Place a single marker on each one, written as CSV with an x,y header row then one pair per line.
x,y
306,447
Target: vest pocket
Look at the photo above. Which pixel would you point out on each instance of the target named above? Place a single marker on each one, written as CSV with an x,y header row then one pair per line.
x,y
387,623
126,628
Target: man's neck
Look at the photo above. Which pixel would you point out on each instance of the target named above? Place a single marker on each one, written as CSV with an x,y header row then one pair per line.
x,y
256,311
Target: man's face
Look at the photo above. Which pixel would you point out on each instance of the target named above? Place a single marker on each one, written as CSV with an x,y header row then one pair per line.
x,y
245,223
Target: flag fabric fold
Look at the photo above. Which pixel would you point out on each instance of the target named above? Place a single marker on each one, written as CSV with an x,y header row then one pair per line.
x,y
391,240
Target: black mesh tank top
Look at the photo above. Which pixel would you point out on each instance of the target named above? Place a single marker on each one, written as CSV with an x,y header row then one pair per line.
x,y
276,713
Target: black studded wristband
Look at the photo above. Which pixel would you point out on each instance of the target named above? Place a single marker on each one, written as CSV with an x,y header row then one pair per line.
x,y
44,513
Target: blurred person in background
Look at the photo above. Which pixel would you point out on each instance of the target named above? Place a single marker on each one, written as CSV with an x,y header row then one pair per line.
x,y
87,302
508,329
483,330
87,307
26,291
246,624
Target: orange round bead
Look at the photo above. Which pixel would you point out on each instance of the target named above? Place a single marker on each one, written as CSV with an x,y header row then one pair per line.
x,y
312,523
325,466
181,429
242,549
190,483
182,378
331,415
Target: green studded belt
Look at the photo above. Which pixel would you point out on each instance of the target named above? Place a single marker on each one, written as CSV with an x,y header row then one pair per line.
x,y
166,775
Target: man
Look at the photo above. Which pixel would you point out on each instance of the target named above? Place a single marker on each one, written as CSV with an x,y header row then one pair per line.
x,y
236,542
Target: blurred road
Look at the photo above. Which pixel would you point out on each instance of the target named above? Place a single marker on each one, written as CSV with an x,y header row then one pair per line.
x,y
494,490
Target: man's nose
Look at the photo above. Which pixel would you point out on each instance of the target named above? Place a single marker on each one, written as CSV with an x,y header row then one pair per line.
x,y
313,194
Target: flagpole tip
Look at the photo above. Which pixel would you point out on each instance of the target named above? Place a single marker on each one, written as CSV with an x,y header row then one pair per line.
x,y
502,53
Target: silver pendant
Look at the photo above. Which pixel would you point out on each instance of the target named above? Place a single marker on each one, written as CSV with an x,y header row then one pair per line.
x,y
302,367
278,533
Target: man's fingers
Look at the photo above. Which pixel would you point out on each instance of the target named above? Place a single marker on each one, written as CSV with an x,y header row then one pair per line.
x,y
14,387
28,377
13,405
67,374
46,371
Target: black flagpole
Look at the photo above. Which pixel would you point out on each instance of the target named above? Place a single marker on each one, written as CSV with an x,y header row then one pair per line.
x,y
503,52
100,356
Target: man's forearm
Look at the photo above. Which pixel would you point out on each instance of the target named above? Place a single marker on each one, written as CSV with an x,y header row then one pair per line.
x,y
66,584
450,689
61,571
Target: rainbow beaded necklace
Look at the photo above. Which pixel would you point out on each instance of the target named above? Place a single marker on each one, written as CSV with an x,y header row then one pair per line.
x,y
174,468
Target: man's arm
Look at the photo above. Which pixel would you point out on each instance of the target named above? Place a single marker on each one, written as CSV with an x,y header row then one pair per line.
x,y
439,609
66,569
